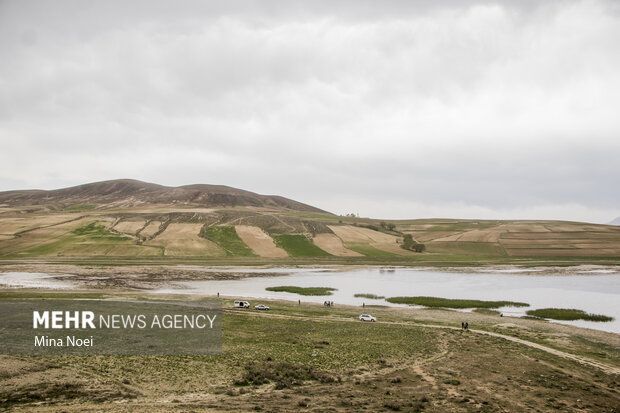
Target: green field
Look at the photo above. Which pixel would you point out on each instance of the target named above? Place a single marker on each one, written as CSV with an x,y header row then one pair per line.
x,y
34,232
302,290
93,237
96,231
369,251
298,246
453,303
227,238
567,314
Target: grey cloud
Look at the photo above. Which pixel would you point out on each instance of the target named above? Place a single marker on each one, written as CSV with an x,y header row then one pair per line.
x,y
457,106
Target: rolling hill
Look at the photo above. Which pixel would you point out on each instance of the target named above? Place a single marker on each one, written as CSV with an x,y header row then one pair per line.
x,y
133,221
132,193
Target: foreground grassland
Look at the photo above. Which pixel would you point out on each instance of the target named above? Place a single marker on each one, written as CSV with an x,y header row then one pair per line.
x,y
312,358
210,236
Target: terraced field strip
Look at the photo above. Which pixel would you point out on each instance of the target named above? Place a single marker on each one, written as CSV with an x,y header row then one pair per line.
x,y
576,242
226,237
13,225
129,227
182,239
466,248
93,239
564,252
298,245
46,235
590,235
151,229
579,359
259,241
333,245
426,236
350,234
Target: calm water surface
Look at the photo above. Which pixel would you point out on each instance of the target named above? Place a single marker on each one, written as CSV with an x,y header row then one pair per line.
x,y
593,290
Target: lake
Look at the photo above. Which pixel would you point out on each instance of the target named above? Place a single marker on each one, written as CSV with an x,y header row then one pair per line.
x,y
595,290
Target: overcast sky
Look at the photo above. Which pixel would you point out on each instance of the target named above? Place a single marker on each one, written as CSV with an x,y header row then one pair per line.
x,y
389,109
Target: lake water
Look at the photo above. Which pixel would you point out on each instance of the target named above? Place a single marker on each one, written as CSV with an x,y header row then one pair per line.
x,y
592,290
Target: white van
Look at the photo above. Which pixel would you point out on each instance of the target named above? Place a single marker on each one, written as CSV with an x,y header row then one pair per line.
x,y
242,304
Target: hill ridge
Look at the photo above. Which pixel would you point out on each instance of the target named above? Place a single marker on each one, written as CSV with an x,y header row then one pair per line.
x,y
132,192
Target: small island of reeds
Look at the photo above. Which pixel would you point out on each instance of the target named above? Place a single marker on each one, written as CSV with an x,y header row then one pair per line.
x,y
567,314
369,296
454,303
302,290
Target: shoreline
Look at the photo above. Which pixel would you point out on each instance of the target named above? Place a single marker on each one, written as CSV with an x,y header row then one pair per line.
x,y
193,281
189,272
440,315
416,316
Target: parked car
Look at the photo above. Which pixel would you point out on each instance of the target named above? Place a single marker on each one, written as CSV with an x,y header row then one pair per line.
x,y
241,304
367,317
261,307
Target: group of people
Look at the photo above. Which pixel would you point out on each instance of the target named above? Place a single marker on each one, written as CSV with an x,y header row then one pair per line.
x,y
465,325
328,303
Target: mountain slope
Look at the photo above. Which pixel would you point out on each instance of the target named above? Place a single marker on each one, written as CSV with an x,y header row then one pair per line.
x,y
129,193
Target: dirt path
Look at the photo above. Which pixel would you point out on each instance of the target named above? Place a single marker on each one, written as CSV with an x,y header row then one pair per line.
x,y
579,359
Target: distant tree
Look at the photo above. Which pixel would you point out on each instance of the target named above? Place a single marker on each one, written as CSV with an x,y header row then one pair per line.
x,y
410,244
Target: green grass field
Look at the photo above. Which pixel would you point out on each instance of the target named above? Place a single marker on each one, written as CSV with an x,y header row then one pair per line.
x,y
302,290
453,303
96,231
567,314
93,237
368,250
298,246
227,238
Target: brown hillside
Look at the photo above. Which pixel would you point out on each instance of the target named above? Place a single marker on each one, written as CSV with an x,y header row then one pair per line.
x,y
130,193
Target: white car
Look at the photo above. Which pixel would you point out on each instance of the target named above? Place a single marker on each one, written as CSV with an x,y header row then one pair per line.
x,y
367,317
261,307
241,304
